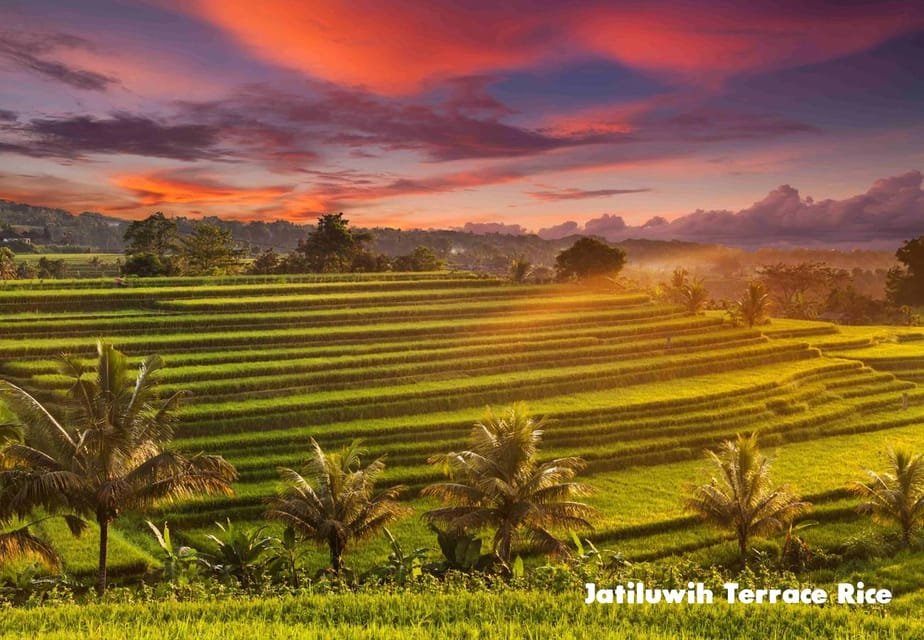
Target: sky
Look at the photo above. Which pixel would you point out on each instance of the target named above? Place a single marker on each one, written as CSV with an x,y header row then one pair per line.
x,y
790,121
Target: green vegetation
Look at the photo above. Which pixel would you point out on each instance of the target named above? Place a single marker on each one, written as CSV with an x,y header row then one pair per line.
x,y
897,495
636,388
741,497
337,504
109,457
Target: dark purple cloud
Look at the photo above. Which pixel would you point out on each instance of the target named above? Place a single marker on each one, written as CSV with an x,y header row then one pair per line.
x,y
466,125
121,133
30,52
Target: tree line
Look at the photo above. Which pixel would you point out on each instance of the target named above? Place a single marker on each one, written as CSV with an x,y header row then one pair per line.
x,y
107,453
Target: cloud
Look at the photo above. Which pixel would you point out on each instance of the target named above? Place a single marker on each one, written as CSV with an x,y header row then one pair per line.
x,y
581,194
892,209
121,133
558,231
606,225
465,125
28,51
8,116
188,188
402,47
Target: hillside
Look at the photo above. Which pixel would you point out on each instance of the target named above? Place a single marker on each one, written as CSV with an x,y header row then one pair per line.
x,y
408,361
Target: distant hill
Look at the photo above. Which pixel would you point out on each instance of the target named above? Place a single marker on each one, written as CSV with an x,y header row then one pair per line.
x,y
65,231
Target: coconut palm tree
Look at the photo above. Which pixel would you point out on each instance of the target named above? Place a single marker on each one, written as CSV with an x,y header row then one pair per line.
x,y
753,307
741,497
110,454
334,503
499,483
896,496
693,297
19,542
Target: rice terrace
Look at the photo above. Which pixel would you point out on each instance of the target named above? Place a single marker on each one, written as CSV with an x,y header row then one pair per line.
x,y
407,362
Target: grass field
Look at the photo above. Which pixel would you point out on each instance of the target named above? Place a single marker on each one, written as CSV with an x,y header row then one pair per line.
x,y
407,362
472,616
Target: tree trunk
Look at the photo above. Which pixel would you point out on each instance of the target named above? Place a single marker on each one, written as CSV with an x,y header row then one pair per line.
x,y
336,553
103,553
743,546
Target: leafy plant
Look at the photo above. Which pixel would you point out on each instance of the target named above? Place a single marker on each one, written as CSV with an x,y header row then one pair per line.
x,y
461,551
401,566
286,556
179,562
238,554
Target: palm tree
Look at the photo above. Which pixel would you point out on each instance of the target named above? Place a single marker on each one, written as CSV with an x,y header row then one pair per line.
x,y
20,542
754,305
111,456
499,483
336,503
896,496
693,297
741,496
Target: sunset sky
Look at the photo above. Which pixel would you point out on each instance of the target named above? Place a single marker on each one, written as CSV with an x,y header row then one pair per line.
x,y
504,115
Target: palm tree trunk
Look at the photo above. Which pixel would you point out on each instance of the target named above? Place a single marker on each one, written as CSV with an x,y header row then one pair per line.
x,y
503,548
103,553
336,553
743,546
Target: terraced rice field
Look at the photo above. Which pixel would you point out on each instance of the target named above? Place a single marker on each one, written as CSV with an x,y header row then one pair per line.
x,y
408,361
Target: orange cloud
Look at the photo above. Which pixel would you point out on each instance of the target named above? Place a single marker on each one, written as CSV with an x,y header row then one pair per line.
x,y
397,47
707,42
391,47
164,188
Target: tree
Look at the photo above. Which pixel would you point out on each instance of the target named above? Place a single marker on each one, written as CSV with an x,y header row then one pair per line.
x,y
48,268
589,258
332,246
800,290
336,504
208,250
7,264
741,497
265,264
520,269
499,483
25,271
693,297
905,285
156,235
148,265
753,306
112,456
421,259
896,496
